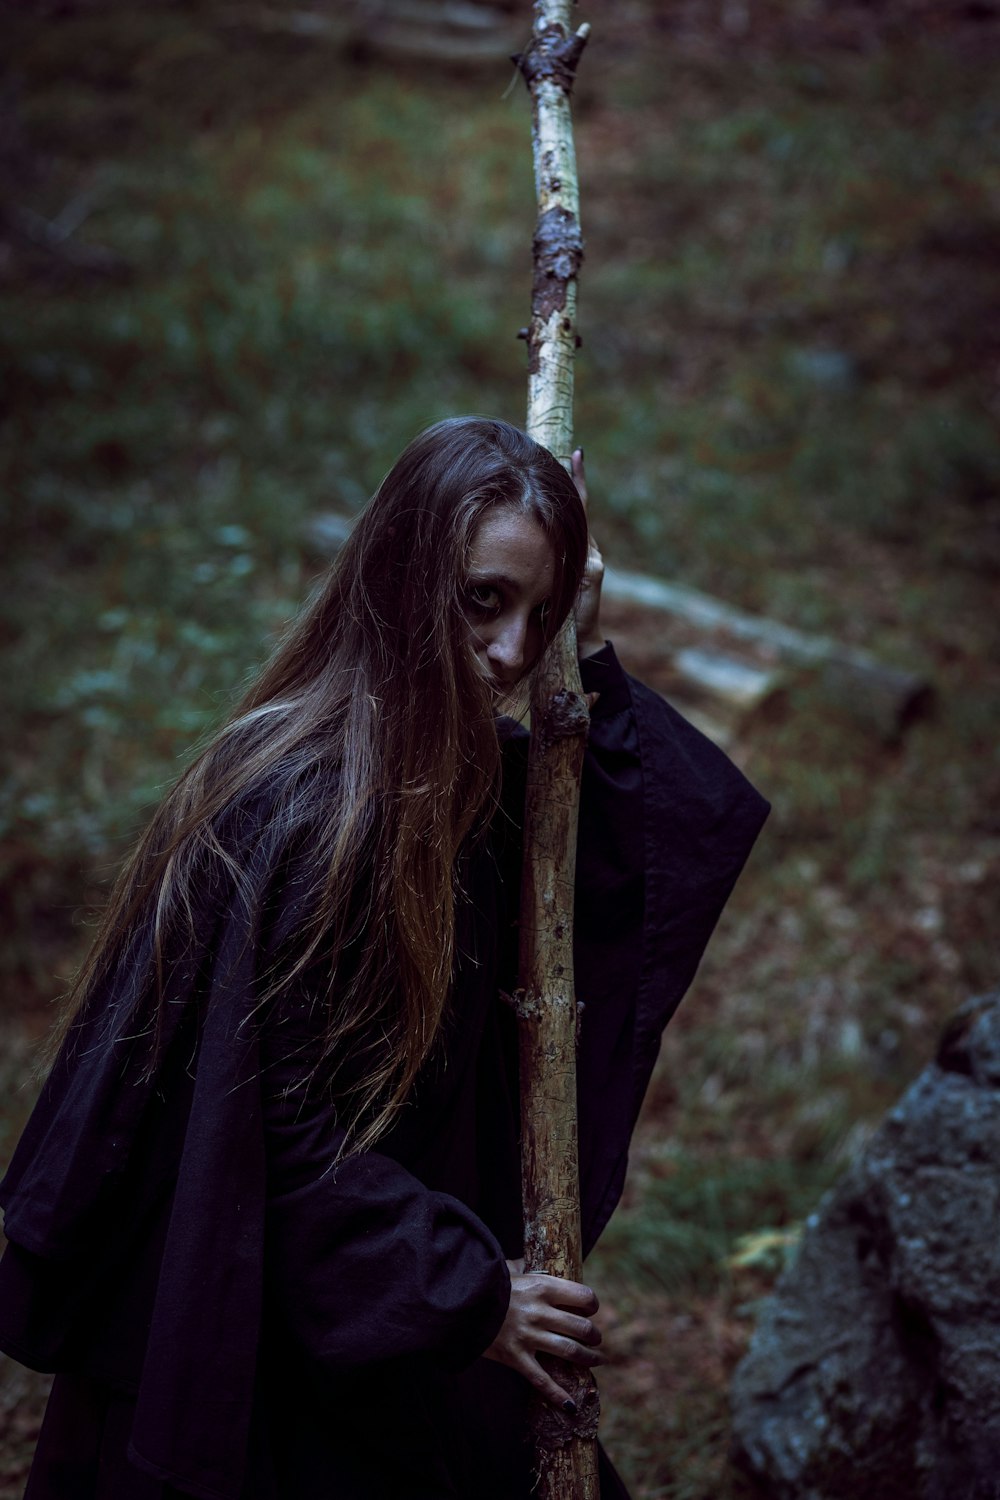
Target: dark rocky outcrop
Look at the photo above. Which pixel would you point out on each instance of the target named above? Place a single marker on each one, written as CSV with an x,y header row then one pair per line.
x,y
875,1370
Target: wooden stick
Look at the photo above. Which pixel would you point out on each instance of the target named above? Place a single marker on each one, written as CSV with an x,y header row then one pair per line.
x,y
566,1444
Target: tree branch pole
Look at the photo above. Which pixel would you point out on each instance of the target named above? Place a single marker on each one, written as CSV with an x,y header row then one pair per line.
x,y
546,1001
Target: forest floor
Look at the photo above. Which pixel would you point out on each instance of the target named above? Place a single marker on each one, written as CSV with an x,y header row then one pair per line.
x,y
244,265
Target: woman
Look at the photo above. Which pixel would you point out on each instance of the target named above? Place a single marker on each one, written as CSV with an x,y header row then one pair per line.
x,y
264,1221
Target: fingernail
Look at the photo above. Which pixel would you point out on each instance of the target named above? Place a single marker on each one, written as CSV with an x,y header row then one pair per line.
x,y
569,1406
580,451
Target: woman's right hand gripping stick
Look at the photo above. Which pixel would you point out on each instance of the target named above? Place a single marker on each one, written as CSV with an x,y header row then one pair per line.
x,y
547,1315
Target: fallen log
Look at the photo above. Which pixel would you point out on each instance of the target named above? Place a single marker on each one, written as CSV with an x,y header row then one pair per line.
x,y
885,698
447,31
720,693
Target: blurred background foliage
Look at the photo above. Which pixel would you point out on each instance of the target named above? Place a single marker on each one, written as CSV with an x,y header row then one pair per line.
x,y
243,259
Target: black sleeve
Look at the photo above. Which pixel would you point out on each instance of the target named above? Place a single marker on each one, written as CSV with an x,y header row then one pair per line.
x,y
364,1263
666,825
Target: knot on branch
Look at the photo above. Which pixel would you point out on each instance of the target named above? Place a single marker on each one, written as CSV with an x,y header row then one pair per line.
x,y
527,1005
565,715
558,256
552,56
536,1242
553,1428
531,1005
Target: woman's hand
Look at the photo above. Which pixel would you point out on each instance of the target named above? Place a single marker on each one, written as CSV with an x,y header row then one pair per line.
x,y
546,1316
589,637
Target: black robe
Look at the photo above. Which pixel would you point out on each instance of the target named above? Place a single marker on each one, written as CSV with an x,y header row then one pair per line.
x,y
265,1326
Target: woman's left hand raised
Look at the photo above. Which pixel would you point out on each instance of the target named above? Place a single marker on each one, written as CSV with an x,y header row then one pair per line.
x,y
589,637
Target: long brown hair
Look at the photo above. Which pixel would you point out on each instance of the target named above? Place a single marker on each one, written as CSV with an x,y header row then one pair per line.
x,y
373,729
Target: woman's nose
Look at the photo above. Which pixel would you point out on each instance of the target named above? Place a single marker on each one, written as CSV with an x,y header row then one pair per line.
x,y
505,651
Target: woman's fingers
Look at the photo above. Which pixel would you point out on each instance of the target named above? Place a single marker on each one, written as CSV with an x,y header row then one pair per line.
x,y
544,1383
558,1292
550,1316
569,1350
595,562
550,1327
588,604
579,478
530,1367
582,1330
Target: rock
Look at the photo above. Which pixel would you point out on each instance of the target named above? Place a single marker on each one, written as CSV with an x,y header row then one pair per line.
x,y
874,1372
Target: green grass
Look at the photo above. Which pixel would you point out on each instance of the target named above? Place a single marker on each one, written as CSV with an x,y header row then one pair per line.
x,y
694,1214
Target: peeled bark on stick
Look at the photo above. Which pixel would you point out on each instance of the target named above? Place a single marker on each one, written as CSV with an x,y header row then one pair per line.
x,y
566,1444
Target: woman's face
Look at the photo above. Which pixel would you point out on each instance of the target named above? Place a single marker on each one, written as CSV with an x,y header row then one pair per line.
x,y
507,591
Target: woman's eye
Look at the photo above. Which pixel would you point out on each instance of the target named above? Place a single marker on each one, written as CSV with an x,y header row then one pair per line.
x,y
483,597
